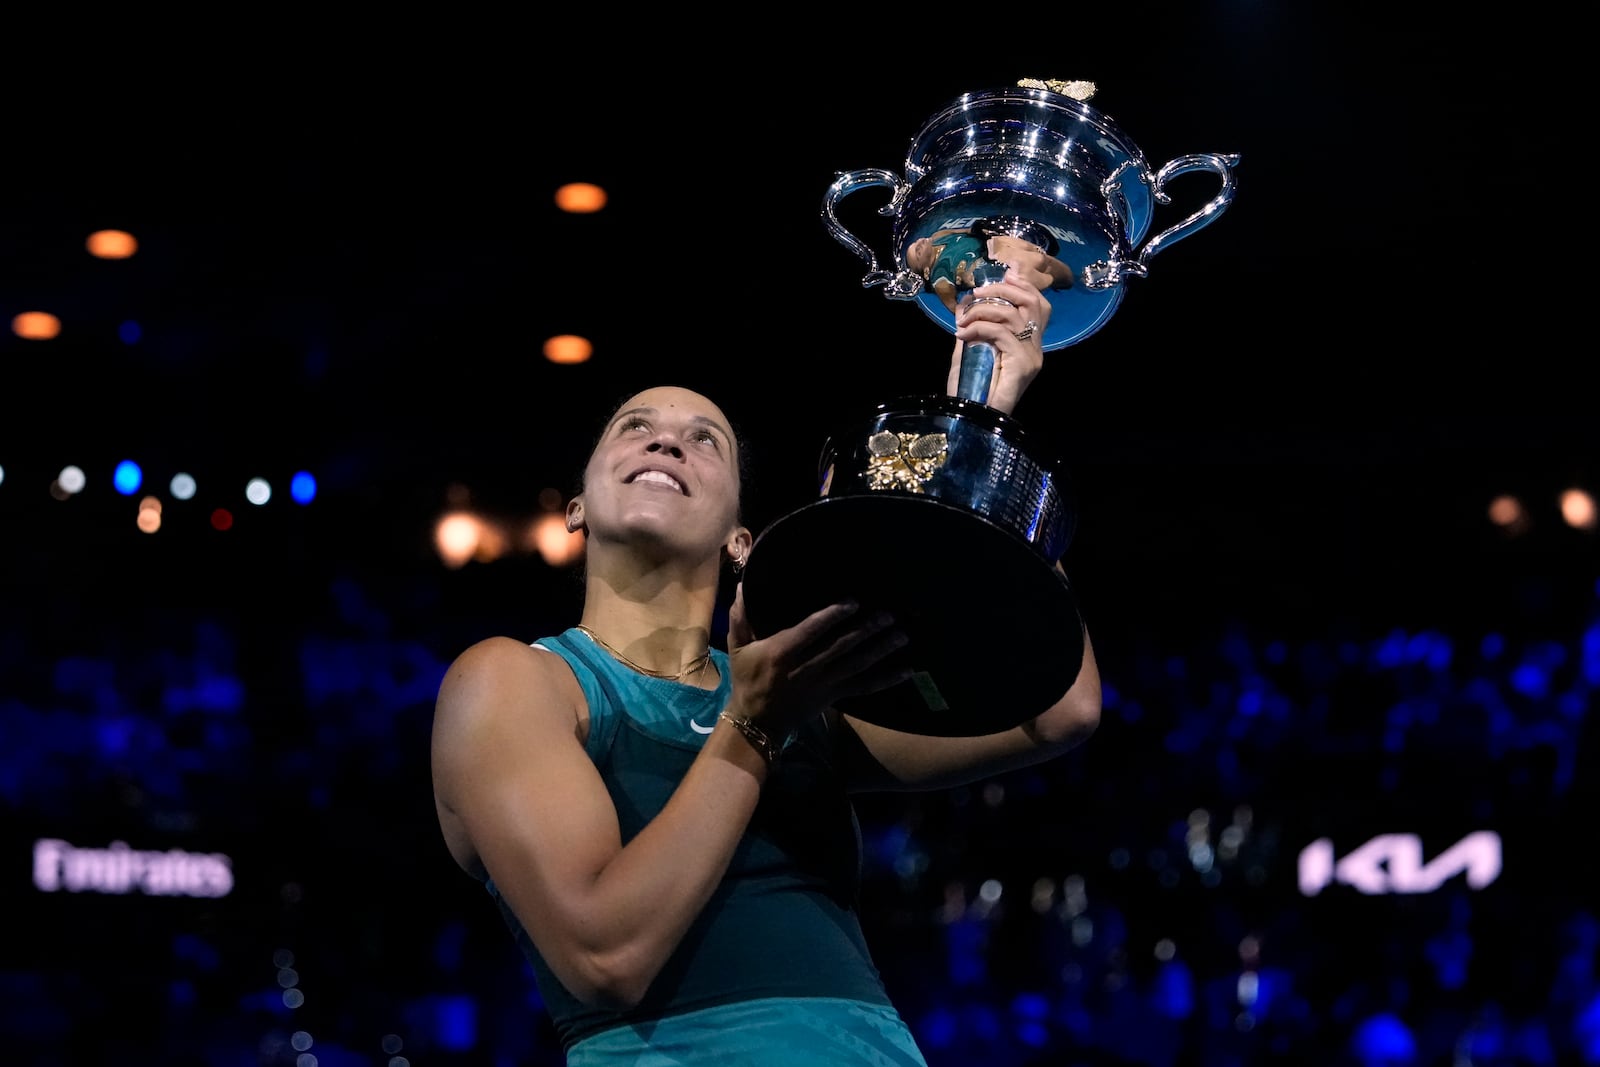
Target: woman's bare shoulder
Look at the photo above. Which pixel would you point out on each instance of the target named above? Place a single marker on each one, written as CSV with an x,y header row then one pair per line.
x,y
498,671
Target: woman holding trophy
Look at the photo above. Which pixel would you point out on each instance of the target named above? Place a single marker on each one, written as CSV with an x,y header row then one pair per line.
x,y
666,827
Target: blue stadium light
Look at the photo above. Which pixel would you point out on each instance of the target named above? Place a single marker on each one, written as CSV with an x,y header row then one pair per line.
x,y
303,487
128,477
1383,1038
1531,680
456,1024
1032,1034
1588,1026
1172,992
130,332
114,735
938,1028
1031,1006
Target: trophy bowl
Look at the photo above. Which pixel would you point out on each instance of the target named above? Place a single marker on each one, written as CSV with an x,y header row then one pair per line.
x,y
1035,162
940,509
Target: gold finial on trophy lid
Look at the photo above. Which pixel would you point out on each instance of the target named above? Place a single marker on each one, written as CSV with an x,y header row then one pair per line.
x,y
1076,90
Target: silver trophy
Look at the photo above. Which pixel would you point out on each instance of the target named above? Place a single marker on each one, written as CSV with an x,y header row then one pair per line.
x,y
935,507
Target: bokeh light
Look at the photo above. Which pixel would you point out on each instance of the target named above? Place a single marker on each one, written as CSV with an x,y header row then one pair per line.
x,y
127,478
1578,508
580,198
36,326
568,348
112,244
258,491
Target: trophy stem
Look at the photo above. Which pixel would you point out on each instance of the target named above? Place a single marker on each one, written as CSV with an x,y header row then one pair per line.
x,y
977,371
978,357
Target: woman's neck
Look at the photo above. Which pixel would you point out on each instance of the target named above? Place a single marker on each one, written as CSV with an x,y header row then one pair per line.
x,y
654,622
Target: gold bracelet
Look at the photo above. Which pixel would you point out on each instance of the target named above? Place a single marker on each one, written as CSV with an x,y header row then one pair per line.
x,y
756,736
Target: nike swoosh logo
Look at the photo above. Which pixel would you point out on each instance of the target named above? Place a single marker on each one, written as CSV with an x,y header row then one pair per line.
x,y
697,728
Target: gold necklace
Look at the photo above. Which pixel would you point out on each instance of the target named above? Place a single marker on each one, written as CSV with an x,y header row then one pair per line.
x,y
696,665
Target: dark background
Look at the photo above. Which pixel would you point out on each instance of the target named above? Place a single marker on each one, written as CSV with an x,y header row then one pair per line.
x,y
1283,446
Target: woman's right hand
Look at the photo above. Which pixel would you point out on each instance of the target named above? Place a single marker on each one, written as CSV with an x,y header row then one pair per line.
x,y
781,680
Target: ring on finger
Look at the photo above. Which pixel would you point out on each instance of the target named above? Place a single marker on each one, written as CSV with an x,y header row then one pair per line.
x,y
1027,331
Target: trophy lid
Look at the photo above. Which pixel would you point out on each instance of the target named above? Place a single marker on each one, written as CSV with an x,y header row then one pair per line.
x,y
1076,90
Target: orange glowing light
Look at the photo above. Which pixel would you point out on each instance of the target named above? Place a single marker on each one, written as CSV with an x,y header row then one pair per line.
x,y
580,198
112,244
551,539
36,325
1506,510
568,348
492,543
456,537
1578,508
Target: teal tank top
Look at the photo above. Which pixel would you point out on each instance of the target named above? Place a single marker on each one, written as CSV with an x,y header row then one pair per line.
x,y
782,925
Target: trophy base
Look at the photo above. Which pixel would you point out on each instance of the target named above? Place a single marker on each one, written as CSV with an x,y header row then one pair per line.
x,y
995,637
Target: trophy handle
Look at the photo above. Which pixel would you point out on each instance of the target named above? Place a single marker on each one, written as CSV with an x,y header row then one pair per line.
x,y
1222,166
902,284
